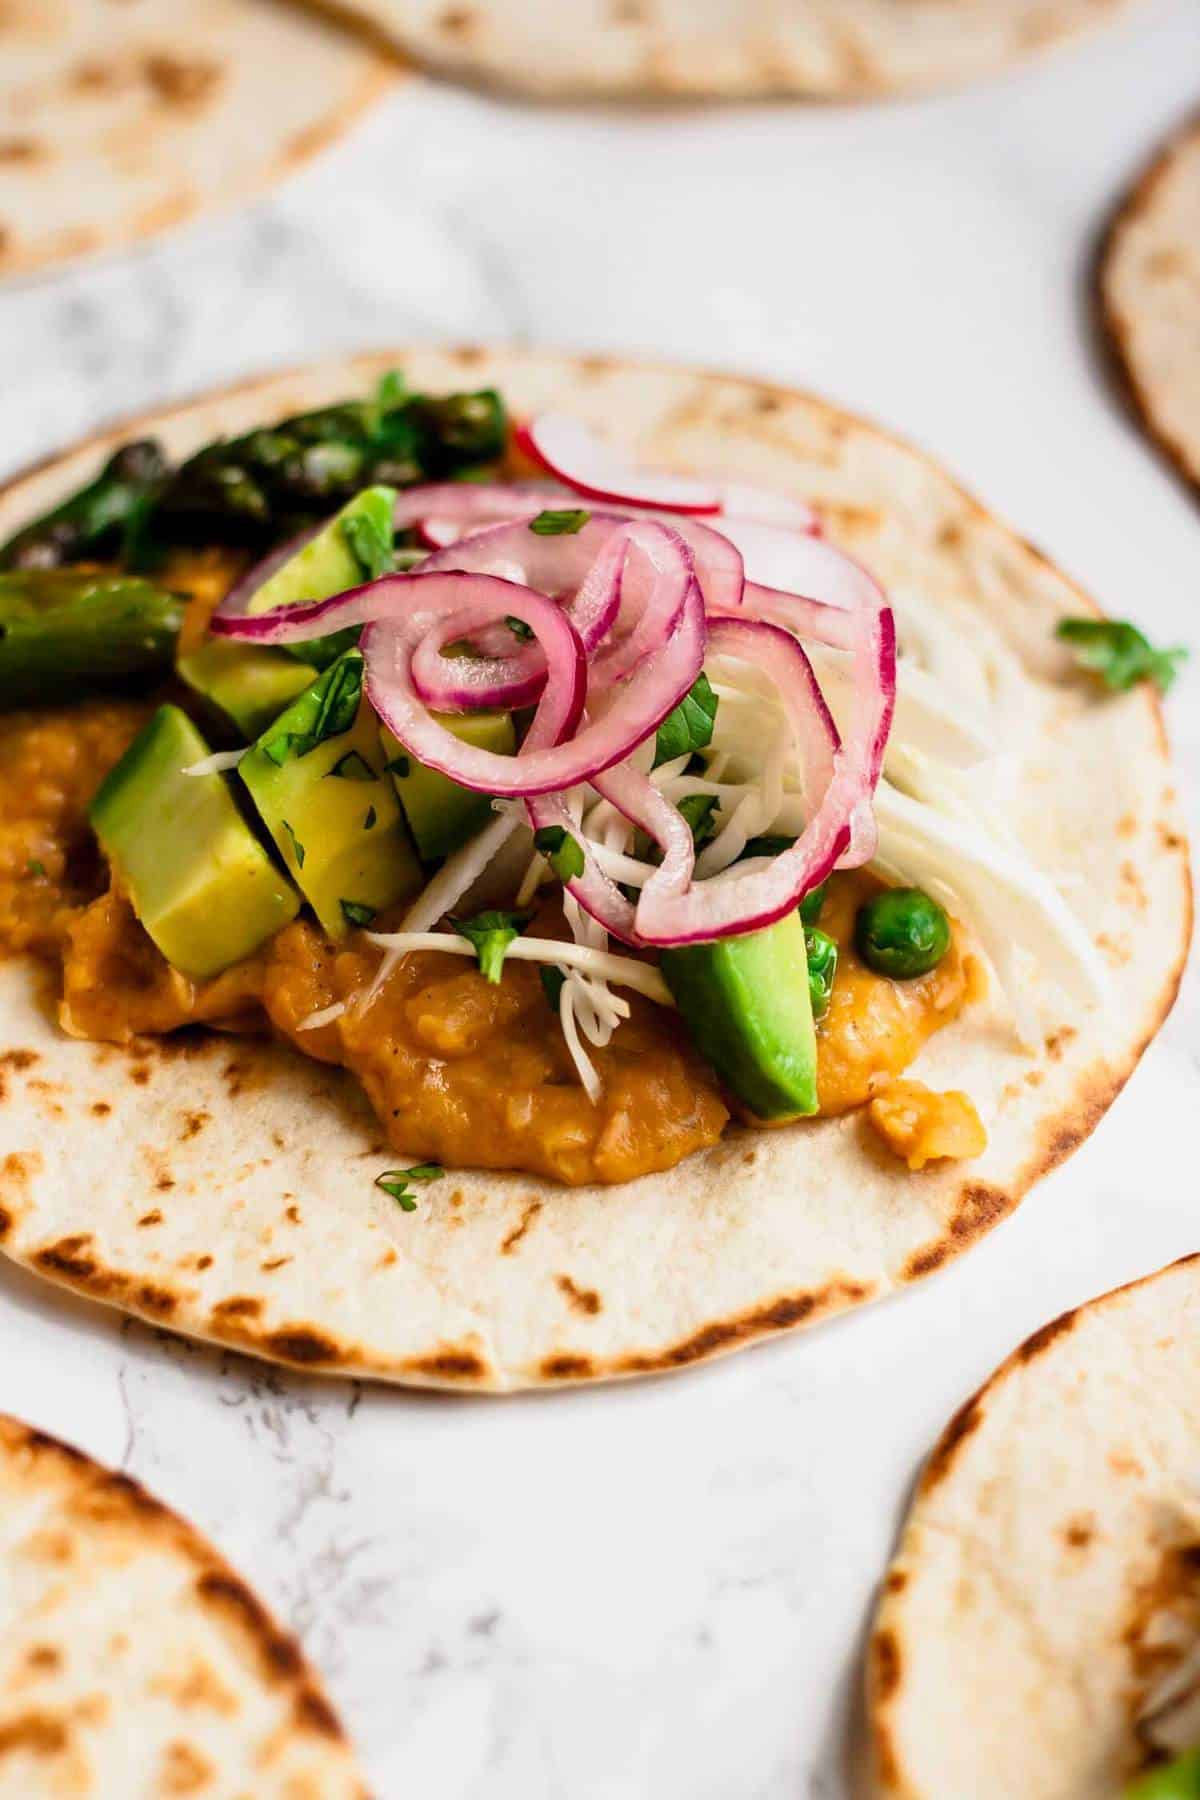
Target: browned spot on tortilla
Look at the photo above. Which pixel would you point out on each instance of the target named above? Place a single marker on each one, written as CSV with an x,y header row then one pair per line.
x,y
156,1299
194,1123
1042,1339
222,1592
456,21
967,1419
1123,1462
153,1217
387,1259
164,1184
100,1109
66,1258
44,1657
1078,1533
1034,1078
314,1713
238,1306
1117,949
457,1364
37,1733
584,1300
184,1769
276,1262
18,1060
897,1581
306,142
292,1215
567,1368
21,150
1127,825
1058,1041
139,1075
302,1344
980,1206
885,1664
18,1168
204,1262
925,1261
181,81
518,1232
1169,838
724,1334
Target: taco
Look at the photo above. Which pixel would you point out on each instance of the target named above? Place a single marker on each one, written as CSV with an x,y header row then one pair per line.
x,y
133,1660
1039,1630
684,994
1150,293
122,121
724,50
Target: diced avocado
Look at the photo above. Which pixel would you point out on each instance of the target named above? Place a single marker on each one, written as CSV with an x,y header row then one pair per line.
x,y
316,777
199,880
354,547
746,1002
251,685
442,815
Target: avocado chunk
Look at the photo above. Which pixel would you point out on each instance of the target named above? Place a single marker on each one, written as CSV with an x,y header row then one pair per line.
x,y
250,685
747,1004
442,815
199,880
355,546
316,777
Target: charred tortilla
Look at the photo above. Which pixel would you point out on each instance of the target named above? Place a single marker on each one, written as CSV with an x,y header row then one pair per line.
x,y
225,1186
1150,289
133,1660
723,50
120,121
1047,1583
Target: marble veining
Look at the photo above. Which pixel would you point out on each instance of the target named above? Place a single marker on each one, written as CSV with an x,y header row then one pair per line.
x,y
655,1592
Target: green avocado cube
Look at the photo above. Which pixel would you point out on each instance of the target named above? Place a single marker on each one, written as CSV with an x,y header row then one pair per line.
x,y
249,683
316,777
747,1004
442,815
199,880
355,546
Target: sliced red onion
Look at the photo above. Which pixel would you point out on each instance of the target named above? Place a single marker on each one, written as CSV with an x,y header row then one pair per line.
x,y
573,453
444,511
737,902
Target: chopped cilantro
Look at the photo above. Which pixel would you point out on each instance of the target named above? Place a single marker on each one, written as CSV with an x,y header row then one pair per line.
x,y
560,524
369,819
561,850
294,841
328,709
491,933
35,867
520,630
370,544
395,1183
822,967
765,846
553,980
399,765
1118,653
698,810
689,726
355,913
352,767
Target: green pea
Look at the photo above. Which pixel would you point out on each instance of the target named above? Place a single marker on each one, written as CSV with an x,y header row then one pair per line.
x,y
822,967
1174,1781
813,901
902,932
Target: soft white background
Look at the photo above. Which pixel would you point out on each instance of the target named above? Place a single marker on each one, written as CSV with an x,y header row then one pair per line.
x,y
656,1592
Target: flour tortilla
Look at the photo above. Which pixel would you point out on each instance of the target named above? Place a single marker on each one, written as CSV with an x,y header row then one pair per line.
x,y
724,49
229,1192
122,120
1150,287
1043,1587
133,1660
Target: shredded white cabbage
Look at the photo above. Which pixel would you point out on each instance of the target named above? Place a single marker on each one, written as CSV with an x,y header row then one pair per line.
x,y
626,971
217,763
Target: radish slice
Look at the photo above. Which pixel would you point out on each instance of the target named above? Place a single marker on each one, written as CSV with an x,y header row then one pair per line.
x,y
764,505
573,453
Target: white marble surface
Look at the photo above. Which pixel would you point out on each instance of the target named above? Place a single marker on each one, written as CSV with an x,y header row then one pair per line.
x,y
657,1592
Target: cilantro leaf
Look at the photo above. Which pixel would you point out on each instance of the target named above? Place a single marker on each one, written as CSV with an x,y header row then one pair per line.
x,y
491,933
369,819
563,852
553,981
523,633
394,1182
822,967
399,765
325,710
698,810
370,544
689,726
294,841
560,524
355,913
1118,653
35,867
351,767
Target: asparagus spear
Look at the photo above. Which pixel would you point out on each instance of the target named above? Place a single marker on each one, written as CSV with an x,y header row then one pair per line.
x,y
95,521
64,633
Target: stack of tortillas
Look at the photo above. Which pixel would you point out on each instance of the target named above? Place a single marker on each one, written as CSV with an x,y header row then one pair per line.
x,y
739,49
1151,294
118,121
1042,1616
133,1661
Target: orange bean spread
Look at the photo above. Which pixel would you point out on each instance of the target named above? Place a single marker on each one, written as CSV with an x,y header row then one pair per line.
x,y
459,1070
